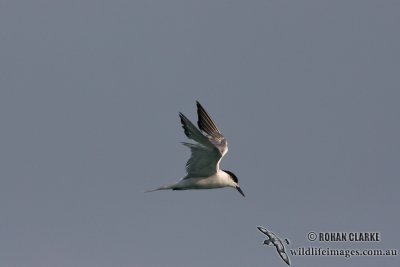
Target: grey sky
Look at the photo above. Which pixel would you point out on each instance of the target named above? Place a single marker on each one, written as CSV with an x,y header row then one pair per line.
x,y
306,92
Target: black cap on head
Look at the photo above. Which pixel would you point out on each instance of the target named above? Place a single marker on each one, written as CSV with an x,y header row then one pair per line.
x,y
235,179
232,175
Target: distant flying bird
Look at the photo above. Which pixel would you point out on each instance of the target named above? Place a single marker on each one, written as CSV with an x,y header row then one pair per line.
x,y
202,168
273,240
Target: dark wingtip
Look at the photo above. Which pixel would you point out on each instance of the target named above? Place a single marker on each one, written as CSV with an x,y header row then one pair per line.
x,y
181,116
183,123
262,230
199,107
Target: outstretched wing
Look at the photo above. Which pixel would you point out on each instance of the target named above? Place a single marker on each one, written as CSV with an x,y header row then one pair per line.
x,y
208,151
207,125
285,257
266,232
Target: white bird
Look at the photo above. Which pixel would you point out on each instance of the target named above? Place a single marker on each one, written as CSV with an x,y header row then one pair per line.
x,y
202,168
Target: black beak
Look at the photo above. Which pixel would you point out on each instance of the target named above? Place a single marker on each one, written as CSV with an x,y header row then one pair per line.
x,y
240,190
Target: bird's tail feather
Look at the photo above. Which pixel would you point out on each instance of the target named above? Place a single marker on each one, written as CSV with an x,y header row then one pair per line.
x,y
164,187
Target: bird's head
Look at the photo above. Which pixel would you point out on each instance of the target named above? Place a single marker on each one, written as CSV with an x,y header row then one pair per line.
x,y
267,242
235,181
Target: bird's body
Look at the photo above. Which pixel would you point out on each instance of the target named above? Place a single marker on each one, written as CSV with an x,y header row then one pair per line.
x,y
202,168
218,180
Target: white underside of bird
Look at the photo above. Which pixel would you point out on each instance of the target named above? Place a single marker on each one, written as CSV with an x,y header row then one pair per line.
x,y
218,180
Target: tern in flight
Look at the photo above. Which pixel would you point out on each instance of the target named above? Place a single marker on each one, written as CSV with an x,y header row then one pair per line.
x,y
273,240
202,168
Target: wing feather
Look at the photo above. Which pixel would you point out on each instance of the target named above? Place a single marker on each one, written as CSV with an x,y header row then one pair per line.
x,y
205,122
211,145
192,132
208,126
203,161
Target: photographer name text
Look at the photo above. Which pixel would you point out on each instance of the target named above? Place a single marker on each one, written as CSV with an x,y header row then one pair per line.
x,y
345,236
